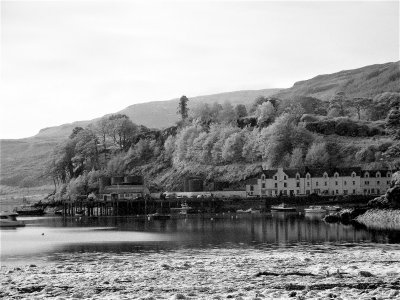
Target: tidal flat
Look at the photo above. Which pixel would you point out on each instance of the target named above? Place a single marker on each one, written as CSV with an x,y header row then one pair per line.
x,y
347,271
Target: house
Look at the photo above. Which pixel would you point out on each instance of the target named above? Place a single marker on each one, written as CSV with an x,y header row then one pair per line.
x,y
340,181
375,182
122,188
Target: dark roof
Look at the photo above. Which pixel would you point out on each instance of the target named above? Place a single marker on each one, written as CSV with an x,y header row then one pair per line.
x,y
372,173
269,173
251,181
292,172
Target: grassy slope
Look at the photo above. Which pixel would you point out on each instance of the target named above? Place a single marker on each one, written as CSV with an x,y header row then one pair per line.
x,y
363,82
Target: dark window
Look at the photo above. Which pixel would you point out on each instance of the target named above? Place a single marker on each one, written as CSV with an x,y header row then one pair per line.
x,y
284,177
297,184
252,188
326,183
308,184
354,183
336,183
345,183
354,191
316,183
378,182
275,177
284,184
345,192
263,185
276,185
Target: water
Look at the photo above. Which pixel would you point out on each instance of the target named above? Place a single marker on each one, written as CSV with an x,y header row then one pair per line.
x,y
44,238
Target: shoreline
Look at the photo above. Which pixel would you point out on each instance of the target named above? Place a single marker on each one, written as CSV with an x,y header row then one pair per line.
x,y
307,272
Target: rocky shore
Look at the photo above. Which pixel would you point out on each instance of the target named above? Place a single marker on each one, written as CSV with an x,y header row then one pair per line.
x,y
299,272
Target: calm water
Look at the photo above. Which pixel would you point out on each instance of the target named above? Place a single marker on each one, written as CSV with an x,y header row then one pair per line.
x,y
45,237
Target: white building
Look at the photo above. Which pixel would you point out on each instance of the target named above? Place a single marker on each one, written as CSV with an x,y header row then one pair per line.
x,y
344,181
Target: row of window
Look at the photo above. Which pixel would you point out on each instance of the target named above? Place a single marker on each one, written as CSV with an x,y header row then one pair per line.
x,y
326,176
316,191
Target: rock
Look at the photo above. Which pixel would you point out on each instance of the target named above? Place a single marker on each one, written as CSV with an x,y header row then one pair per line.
x,y
332,218
292,294
365,274
379,202
32,266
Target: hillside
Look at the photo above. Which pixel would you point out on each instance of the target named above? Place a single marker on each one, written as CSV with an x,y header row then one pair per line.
x,y
367,81
23,160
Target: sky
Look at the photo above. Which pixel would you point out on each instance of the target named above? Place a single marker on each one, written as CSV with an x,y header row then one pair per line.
x,y
64,61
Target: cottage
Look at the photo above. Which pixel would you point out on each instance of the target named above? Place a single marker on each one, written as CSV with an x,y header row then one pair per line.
x,y
122,188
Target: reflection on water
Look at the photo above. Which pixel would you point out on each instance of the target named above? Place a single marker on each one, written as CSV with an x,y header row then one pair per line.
x,y
45,236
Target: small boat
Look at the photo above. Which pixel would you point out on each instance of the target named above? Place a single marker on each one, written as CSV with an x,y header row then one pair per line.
x,y
248,211
9,219
158,216
183,210
315,209
332,208
282,207
28,210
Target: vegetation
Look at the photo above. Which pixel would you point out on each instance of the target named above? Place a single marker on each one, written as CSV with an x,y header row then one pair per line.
x,y
326,123
211,141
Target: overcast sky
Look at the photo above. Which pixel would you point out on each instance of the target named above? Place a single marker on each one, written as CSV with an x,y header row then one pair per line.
x,y
63,61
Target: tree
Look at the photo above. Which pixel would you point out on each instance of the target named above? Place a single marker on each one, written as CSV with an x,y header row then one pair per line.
x,y
317,156
360,104
241,110
382,104
232,148
337,105
227,115
122,130
296,159
86,155
183,109
265,114
393,122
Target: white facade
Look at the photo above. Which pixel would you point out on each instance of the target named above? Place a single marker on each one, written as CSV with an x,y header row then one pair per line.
x,y
346,181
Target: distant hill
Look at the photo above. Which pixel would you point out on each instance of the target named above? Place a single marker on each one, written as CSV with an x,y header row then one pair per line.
x,y
161,114
368,81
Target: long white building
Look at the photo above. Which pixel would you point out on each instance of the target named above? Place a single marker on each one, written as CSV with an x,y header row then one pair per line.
x,y
344,181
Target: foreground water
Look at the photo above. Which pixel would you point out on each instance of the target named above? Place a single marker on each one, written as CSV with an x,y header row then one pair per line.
x,y
198,257
44,236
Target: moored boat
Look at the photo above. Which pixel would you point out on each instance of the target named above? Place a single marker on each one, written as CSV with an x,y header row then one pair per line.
x,y
28,210
9,219
332,208
315,209
183,210
282,207
248,211
158,216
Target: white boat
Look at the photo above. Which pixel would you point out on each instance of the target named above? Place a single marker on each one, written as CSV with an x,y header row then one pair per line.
x,y
282,207
315,209
248,211
9,219
332,208
183,210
